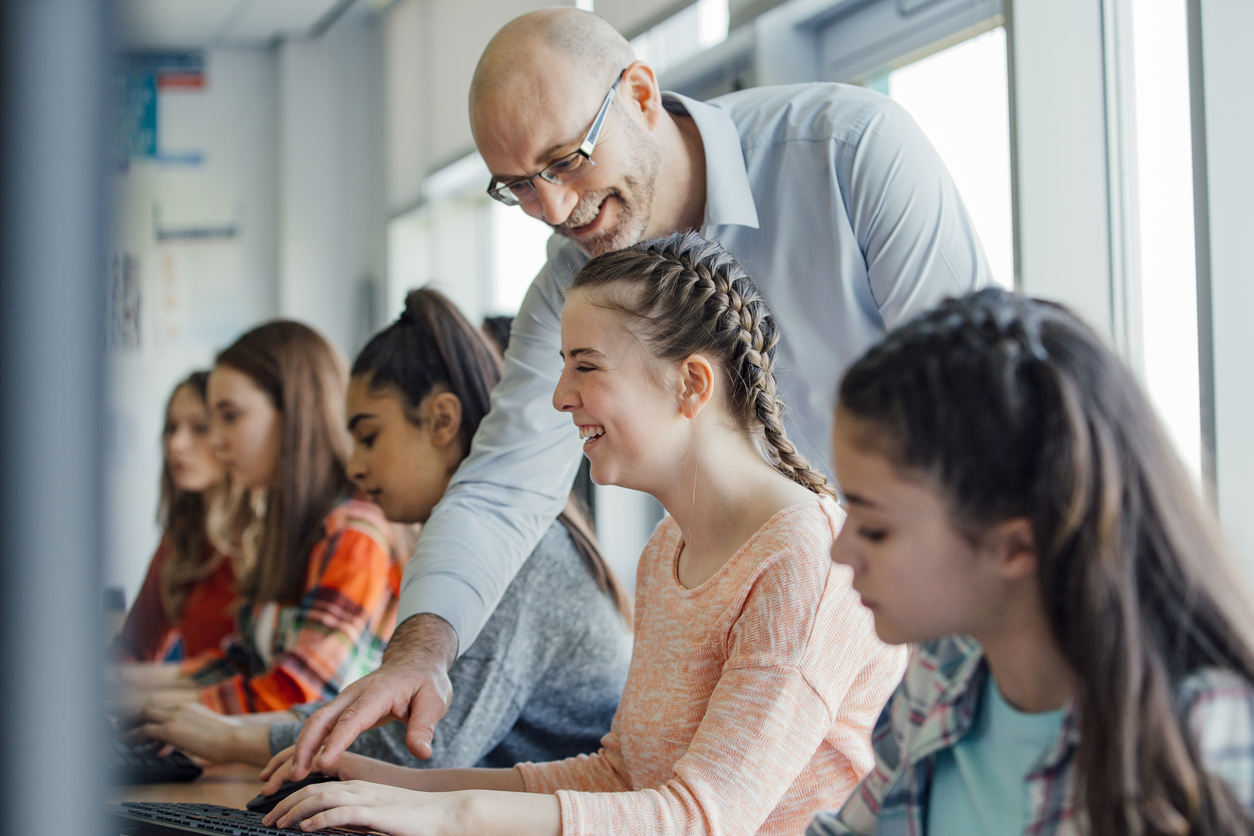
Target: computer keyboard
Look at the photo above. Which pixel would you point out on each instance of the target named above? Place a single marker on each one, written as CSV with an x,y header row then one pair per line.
x,y
153,819
139,763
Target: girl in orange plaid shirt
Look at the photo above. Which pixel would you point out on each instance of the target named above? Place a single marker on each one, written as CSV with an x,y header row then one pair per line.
x,y
321,573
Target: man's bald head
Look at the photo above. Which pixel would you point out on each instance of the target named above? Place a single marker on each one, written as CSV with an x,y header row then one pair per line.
x,y
550,40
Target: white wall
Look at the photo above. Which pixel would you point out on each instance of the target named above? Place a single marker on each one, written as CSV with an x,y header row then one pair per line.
x,y
1058,131
331,181
195,296
292,144
432,49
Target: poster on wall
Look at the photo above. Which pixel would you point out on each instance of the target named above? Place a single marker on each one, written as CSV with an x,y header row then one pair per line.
x,y
200,289
138,81
122,331
200,273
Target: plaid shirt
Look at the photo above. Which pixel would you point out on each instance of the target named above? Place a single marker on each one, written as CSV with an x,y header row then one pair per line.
x,y
283,655
936,704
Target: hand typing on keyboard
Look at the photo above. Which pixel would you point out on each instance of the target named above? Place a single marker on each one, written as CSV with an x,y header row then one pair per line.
x,y
208,819
413,802
390,810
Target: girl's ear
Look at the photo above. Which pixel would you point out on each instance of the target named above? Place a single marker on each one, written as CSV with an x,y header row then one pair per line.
x,y
697,379
1013,545
445,410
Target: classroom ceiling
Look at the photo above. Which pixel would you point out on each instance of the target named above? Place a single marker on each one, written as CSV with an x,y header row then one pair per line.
x,y
167,24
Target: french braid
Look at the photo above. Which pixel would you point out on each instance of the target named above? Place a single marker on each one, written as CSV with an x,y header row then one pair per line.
x,y
687,294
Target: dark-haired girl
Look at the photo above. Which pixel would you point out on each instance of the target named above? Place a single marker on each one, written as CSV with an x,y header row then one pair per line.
x,y
185,604
756,674
1085,653
543,678
320,575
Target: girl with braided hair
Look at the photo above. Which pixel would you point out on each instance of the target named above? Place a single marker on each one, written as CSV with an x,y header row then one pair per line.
x,y
756,673
1085,652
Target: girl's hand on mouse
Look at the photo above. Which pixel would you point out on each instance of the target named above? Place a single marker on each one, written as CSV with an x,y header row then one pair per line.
x,y
375,807
348,768
278,771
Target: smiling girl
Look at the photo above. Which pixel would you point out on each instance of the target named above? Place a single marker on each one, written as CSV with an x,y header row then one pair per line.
x,y
1086,652
756,674
185,604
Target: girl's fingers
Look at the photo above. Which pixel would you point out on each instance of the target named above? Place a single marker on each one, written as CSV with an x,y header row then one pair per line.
x,y
277,761
304,803
277,778
368,818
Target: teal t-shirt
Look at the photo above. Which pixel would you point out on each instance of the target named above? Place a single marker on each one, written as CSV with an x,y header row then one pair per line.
x,y
979,786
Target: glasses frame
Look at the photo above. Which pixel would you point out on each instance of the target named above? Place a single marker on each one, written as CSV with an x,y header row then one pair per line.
x,y
504,193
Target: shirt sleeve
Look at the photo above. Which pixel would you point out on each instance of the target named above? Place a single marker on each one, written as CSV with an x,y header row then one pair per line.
x,y
513,484
336,612
1220,713
604,771
860,813
146,628
911,224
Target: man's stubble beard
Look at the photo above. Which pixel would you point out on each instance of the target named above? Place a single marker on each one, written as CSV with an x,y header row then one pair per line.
x,y
635,202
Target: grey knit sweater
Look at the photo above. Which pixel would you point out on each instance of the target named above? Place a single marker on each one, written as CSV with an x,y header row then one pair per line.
x,y
541,682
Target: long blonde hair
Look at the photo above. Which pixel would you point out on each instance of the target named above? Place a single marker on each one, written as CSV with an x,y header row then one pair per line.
x,y
305,379
181,515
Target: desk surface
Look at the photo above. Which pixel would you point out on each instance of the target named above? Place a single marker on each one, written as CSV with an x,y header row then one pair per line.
x,y
230,785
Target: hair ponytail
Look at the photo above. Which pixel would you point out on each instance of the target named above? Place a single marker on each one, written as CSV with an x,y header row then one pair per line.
x,y
432,346
689,295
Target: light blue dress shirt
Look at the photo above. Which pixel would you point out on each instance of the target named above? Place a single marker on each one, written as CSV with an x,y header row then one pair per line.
x,y
841,211
980,785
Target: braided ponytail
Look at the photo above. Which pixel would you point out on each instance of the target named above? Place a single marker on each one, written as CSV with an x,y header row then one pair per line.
x,y
686,294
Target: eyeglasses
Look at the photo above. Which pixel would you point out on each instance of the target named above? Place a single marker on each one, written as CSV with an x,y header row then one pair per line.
x,y
560,172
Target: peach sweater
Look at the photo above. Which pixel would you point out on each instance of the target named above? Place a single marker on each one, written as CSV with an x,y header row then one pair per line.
x,y
750,699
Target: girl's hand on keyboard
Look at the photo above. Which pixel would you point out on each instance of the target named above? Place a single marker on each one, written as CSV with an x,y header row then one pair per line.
x,y
375,807
402,812
203,733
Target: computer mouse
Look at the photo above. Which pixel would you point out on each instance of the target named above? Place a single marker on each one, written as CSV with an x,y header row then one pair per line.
x,y
265,803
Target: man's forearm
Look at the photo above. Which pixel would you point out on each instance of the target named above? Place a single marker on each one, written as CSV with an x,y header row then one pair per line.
x,y
421,640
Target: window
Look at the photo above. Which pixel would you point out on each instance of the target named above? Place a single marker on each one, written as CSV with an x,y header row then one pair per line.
x,y
959,98
1165,208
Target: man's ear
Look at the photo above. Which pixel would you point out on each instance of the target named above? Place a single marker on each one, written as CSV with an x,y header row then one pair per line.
x,y
1013,544
445,411
696,377
643,94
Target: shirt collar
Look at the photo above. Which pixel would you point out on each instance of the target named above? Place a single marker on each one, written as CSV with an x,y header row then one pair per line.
x,y
728,198
960,671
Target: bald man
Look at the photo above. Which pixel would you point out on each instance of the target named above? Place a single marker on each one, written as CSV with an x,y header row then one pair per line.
x,y
829,195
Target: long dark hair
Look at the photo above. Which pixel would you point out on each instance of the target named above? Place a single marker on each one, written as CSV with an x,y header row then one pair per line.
x,y
1012,407
686,294
181,515
305,381
433,346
